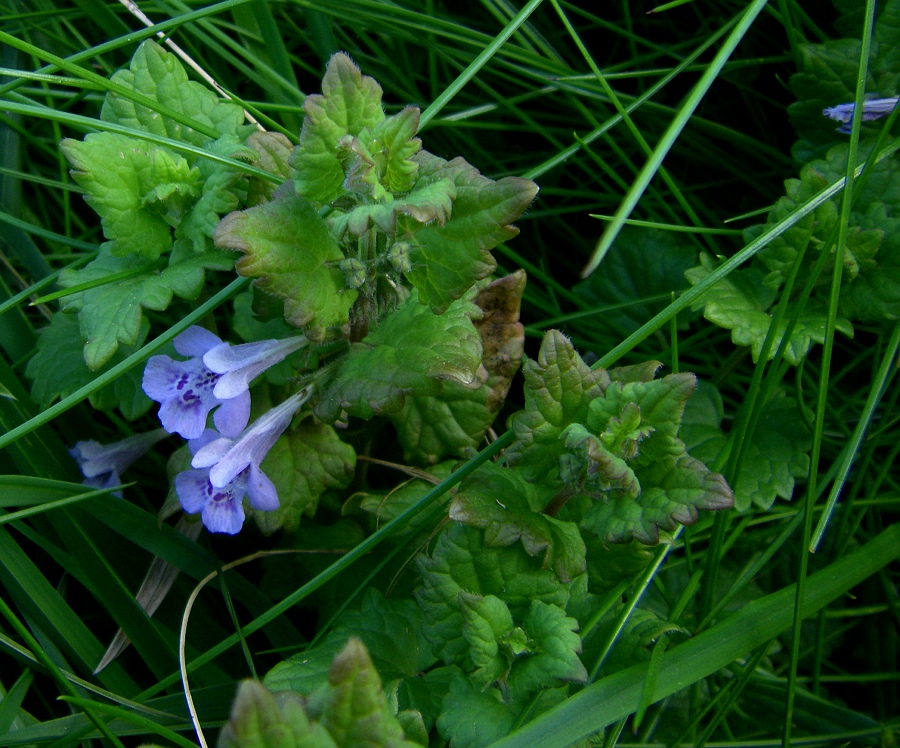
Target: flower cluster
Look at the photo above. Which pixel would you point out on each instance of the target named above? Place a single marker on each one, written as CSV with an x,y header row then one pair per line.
x,y
214,377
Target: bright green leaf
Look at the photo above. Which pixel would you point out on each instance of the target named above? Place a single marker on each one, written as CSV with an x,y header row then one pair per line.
x,y
348,103
159,75
134,187
111,314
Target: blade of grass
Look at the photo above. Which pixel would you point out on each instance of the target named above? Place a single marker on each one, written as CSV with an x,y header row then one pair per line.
x,y
672,133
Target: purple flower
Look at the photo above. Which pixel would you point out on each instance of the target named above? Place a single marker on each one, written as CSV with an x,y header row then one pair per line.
x,y
872,109
221,508
238,365
185,389
102,464
227,458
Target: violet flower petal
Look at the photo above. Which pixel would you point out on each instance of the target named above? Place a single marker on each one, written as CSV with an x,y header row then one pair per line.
x,y
241,364
872,109
232,416
261,490
185,390
195,341
95,459
251,447
220,509
211,452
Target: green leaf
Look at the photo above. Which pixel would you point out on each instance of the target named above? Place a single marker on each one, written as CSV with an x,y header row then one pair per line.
x,y
354,709
391,630
448,257
642,263
289,250
112,313
672,491
740,303
273,151
304,463
412,352
222,191
559,386
472,717
461,562
138,190
454,422
259,719
385,506
615,697
159,75
612,436
554,648
377,162
508,508
775,456
430,202
348,103
486,621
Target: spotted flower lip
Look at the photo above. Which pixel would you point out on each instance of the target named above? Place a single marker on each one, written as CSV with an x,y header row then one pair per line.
x,y
226,457
238,365
185,389
221,508
102,464
872,109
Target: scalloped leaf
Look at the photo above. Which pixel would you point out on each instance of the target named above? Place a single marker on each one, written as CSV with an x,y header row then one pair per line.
x,y
132,186
354,709
559,386
112,313
775,457
159,75
615,441
454,422
461,562
508,508
391,630
447,258
349,102
290,251
740,303
553,651
411,353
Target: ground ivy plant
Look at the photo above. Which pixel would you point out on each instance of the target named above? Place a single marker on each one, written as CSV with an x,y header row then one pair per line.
x,y
373,303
